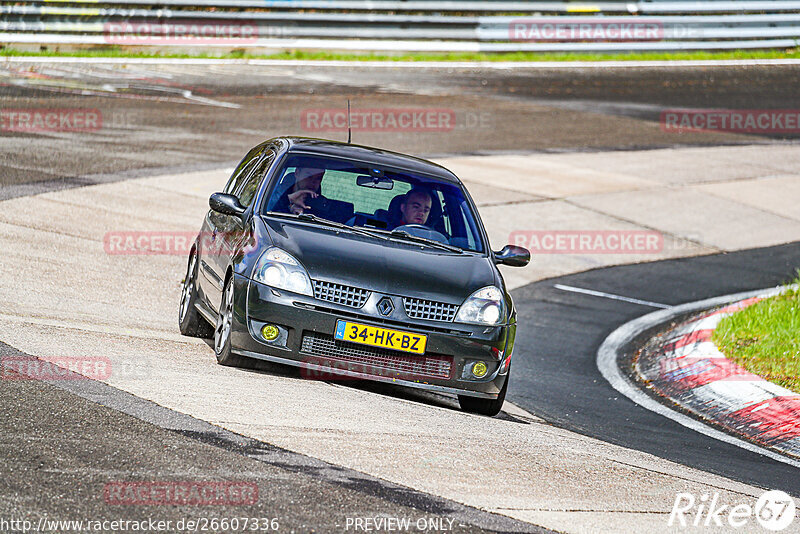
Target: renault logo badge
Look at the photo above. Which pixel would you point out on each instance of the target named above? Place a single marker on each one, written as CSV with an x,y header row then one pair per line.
x,y
385,306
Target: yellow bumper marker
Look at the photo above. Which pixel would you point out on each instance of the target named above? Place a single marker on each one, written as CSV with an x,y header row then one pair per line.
x,y
583,9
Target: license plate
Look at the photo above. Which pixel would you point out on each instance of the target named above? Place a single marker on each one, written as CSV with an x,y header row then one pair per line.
x,y
380,337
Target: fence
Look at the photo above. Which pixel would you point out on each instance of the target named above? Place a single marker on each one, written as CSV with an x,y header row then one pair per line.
x,y
383,25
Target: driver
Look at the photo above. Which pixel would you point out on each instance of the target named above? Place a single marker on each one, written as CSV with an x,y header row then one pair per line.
x,y
307,183
416,207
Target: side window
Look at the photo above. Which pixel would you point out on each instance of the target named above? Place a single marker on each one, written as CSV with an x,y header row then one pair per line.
x,y
282,185
470,229
251,182
242,171
459,225
448,227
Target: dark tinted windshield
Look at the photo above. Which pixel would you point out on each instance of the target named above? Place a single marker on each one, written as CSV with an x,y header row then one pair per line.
x,y
360,195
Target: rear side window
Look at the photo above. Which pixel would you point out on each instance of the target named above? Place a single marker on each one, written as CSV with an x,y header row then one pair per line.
x,y
242,171
253,180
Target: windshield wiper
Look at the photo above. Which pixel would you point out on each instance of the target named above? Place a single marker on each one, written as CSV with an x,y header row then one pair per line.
x,y
405,235
327,222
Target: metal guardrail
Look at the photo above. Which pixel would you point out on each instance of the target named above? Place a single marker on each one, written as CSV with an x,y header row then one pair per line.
x,y
474,6
414,25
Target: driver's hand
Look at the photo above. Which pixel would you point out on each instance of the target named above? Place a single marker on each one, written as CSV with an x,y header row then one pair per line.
x,y
297,200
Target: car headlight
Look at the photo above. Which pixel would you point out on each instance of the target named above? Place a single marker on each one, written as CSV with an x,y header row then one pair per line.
x,y
485,306
277,268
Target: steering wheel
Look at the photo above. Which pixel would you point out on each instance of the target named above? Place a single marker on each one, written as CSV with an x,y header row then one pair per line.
x,y
420,230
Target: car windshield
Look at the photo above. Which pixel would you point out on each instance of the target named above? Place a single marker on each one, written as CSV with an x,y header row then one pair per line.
x,y
387,201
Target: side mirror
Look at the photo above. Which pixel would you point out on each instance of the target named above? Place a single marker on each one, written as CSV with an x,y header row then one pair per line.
x,y
513,256
226,204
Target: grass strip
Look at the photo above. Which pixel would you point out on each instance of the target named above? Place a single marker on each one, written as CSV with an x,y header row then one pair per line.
x,y
765,338
119,52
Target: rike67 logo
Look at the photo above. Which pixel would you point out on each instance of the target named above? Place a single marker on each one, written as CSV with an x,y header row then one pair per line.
x,y
774,510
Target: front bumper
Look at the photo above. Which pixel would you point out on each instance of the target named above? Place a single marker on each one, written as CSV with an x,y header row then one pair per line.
x,y
307,326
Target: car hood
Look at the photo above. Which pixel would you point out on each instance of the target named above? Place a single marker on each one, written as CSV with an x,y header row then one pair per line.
x,y
384,266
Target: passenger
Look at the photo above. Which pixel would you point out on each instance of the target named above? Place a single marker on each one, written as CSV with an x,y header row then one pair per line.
x,y
308,181
416,207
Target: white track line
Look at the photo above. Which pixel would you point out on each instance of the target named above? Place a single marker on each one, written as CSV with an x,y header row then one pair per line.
x,y
607,364
610,296
490,65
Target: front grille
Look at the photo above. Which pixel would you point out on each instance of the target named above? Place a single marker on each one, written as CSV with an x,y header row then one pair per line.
x,y
382,320
429,309
353,297
373,360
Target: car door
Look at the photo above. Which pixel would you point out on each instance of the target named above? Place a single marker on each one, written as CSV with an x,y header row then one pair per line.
x,y
231,230
208,251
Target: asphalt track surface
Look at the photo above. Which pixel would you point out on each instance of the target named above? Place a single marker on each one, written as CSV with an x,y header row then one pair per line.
x,y
556,375
71,444
62,443
191,117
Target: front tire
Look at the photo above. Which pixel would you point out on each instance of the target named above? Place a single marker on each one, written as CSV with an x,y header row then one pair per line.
x,y
190,322
222,333
490,407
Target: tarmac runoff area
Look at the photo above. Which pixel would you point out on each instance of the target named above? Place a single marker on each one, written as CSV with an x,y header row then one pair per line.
x,y
65,294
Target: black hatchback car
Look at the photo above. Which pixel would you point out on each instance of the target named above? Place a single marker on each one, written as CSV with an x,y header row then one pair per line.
x,y
350,261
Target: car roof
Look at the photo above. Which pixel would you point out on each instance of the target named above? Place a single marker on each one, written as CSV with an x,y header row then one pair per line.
x,y
369,155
